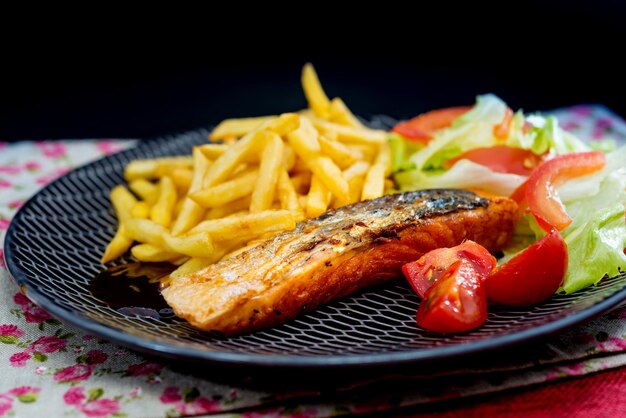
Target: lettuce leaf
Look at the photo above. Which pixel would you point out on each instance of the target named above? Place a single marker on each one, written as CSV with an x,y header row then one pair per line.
x,y
463,174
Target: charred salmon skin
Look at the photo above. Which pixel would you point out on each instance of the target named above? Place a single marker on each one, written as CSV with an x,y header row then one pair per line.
x,y
341,251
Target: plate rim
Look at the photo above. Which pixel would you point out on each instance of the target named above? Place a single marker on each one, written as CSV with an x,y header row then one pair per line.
x,y
229,358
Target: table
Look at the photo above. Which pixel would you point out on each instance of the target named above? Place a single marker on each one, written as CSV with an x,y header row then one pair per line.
x,y
47,367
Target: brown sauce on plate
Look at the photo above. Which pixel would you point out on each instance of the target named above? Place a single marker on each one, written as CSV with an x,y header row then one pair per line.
x,y
133,289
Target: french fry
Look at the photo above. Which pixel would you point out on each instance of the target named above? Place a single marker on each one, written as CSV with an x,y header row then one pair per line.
x,y
213,151
238,127
221,168
327,171
228,209
145,231
375,179
350,134
355,176
226,192
193,245
182,178
339,113
318,101
247,226
287,193
190,266
318,198
191,213
304,139
151,253
338,152
117,246
284,124
123,202
289,158
145,190
163,209
271,162
141,210
153,168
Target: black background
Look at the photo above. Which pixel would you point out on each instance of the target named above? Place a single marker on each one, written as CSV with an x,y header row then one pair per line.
x,y
137,75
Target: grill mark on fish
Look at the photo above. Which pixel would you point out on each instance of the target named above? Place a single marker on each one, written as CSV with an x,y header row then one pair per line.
x,y
334,255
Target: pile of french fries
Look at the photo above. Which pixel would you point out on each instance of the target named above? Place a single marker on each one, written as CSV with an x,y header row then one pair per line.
x,y
256,177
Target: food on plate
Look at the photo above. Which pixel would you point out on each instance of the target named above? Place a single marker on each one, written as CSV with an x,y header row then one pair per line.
x,y
267,174
341,251
288,212
572,230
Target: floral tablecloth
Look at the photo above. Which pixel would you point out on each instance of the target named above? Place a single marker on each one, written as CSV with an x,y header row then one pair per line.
x,y
51,369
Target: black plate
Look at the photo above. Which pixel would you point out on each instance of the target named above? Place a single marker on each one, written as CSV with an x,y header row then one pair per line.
x,y
54,244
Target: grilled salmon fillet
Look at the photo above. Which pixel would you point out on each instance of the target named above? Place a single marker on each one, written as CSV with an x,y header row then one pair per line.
x,y
341,251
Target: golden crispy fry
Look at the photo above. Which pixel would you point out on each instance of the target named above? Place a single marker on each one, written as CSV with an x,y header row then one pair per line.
x,y
141,210
145,231
375,179
287,193
304,140
228,191
247,226
229,208
191,265
152,253
191,213
284,124
350,134
327,171
355,176
118,246
363,152
213,151
339,113
318,198
315,95
145,190
251,144
271,162
182,178
123,203
238,127
156,167
193,245
289,158
338,152
163,210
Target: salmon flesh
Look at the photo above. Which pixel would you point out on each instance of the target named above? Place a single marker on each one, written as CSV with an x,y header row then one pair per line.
x,y
341,251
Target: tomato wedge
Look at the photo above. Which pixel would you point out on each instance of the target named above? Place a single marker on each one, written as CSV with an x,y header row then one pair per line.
x,y
421,128
456,302
422,273
501,159
541,194
532,276
502,129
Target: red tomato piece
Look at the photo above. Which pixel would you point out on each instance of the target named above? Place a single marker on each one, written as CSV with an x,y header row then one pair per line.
x,y
422,273
422,128
501,159
501,130
456,302
532,276
541,195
